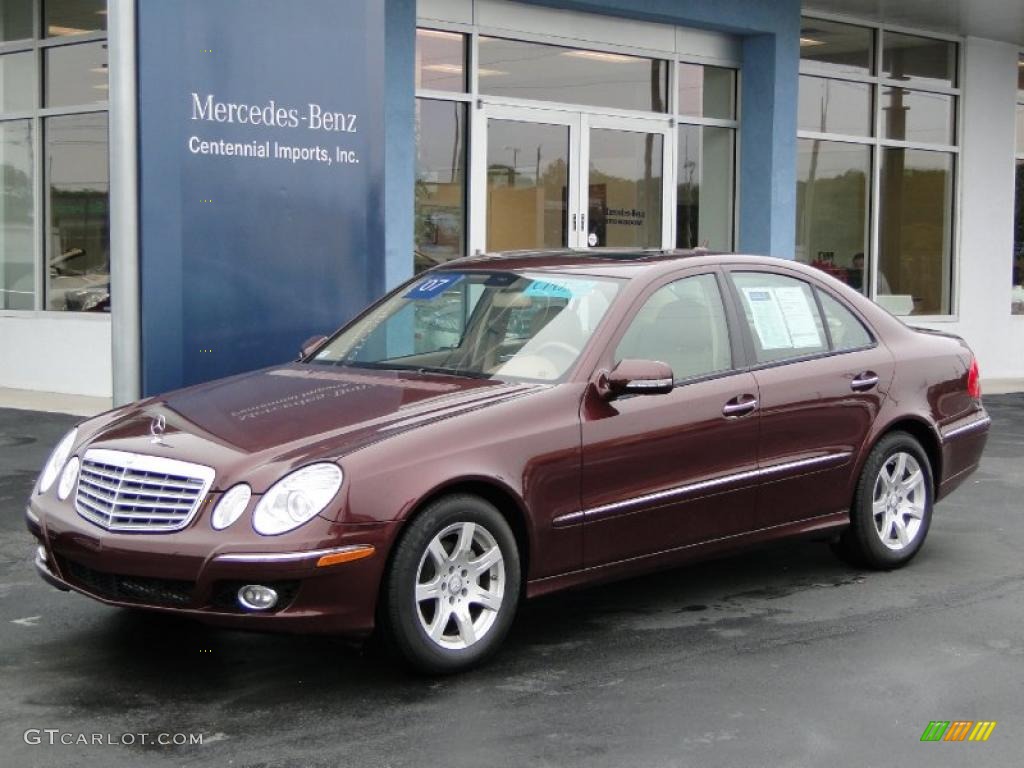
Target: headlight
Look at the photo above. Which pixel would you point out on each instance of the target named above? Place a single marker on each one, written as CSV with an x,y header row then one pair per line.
x,y
231,506
67,478
296,499
57,459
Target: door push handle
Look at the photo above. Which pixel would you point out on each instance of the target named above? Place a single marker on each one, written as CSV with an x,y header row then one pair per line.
x,y
574,222
740,406
864,381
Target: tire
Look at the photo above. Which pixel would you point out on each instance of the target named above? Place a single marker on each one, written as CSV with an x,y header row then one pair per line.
x,y
892,506
446,608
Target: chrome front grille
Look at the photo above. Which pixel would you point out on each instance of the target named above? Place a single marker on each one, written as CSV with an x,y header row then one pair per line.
x,y
123,491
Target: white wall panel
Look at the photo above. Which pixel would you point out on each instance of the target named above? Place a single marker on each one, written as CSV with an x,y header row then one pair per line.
x,y
56,352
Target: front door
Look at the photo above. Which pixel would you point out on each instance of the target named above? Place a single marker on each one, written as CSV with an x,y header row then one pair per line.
x,y
665,471
551,178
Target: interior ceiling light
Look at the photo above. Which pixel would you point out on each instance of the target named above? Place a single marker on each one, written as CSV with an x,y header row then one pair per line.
x,y
599,55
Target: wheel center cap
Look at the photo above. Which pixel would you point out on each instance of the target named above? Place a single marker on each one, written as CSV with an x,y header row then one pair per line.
x,y
455,584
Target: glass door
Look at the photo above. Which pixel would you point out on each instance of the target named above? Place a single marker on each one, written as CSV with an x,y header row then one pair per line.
x,y
548,178
526,186
627,173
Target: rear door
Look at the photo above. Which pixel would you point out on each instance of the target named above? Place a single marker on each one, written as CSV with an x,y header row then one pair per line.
x,y
822,377
668,470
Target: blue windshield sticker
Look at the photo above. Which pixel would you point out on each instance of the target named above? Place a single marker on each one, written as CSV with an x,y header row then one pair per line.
x,y
558,290
433,286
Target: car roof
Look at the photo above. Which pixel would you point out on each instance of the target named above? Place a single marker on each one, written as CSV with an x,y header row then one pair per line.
x,y
604,262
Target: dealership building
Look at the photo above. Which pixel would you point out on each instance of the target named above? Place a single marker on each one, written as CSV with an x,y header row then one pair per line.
x,y
193,188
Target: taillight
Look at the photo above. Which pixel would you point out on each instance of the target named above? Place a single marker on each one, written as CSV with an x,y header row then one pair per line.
x,y
974,381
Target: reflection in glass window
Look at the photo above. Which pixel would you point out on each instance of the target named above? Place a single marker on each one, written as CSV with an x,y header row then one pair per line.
x,y
440,217
17,220
625,189
836,48
682,325
73,17
835,106
521,70
440,60
76,74
915,238
78,237
527,185
15,20
704,187
17,82
707,91
918,59
832,228
918,116
845,330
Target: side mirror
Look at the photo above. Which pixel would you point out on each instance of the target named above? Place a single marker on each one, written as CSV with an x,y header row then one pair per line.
x,y
309,345
638,377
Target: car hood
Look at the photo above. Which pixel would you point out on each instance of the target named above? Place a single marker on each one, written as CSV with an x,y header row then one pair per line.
x,y
293,414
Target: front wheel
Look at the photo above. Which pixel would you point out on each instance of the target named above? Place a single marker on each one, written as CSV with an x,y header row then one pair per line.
x,y
453,585
892,506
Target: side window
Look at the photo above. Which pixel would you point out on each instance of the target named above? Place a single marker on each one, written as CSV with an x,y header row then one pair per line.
x,y
682,324
782,314
846,330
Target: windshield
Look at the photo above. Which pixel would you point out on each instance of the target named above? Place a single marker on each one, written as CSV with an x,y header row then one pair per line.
x,y
504,325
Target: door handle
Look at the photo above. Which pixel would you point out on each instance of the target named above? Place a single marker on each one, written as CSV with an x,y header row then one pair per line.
x,y
740,405
864,381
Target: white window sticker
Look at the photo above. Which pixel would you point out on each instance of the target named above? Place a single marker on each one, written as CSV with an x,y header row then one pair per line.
x,y
783,317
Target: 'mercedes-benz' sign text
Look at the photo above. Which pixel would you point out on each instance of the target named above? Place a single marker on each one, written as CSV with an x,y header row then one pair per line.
x,y
270,114
314,117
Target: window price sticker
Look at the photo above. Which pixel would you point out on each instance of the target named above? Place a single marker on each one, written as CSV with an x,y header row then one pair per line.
x,y
783,318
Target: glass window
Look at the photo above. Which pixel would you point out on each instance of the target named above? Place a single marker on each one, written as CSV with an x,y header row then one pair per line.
x,y
17,219
527,185
625,189
1017,297
521,70
489,325
78,237
835,106
915,237
74,17
782,315
918,116
440,60
846,331
1020,128
17,82
15,20
704,191
707,91
75,74
683,325
918,59
836,48
832,228
440,214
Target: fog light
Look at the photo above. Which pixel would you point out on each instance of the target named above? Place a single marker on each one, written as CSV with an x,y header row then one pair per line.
x,y
254,597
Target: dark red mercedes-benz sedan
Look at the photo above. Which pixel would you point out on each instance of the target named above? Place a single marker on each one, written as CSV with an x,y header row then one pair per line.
x,y
507,426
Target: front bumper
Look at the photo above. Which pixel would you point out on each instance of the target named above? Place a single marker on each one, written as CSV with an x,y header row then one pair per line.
x,y
197,571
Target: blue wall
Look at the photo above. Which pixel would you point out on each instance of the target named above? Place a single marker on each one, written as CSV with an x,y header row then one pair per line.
x,y
770,36
242,258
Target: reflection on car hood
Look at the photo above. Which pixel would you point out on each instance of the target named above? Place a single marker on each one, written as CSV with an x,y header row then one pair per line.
x,y
297,410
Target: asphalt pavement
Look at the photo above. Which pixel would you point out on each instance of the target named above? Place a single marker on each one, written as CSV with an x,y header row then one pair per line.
x,y
780,657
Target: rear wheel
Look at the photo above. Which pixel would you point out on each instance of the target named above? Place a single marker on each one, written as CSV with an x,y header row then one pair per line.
x,y
892,505
453,585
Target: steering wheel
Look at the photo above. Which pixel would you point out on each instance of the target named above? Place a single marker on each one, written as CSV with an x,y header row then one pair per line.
x,y
561,346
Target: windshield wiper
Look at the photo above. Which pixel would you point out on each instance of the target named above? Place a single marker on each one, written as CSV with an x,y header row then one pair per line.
x,y
381,366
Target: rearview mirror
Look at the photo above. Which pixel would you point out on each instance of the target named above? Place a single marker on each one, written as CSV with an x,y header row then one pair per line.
x,y
309,345
638,377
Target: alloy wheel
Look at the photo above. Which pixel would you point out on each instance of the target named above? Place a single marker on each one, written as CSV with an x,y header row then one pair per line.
x,y
899,500
460,585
